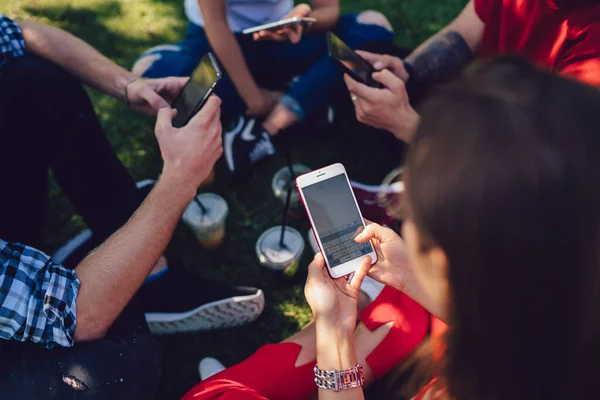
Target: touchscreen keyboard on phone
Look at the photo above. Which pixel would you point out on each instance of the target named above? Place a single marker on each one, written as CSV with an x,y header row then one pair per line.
x,y
340,247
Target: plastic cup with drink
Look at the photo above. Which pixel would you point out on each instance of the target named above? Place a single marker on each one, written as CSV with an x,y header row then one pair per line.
x,y
206,216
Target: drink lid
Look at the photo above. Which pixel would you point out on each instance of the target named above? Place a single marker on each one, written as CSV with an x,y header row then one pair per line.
x,y
282,180
216,211
271,254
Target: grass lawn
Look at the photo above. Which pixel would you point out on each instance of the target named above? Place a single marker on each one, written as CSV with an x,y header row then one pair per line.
x,y
122,29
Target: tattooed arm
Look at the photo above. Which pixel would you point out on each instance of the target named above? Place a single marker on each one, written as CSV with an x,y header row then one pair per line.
x,y
445,54
435,61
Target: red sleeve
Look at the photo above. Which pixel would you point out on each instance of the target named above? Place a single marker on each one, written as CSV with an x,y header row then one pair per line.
x,y
581,57
222,389
483,9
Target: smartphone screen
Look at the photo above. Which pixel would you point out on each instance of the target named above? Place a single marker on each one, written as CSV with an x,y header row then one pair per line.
x,y
352,61
336,219
195,92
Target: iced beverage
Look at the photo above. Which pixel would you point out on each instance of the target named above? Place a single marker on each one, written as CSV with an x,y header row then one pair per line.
x,y
273,255
206,218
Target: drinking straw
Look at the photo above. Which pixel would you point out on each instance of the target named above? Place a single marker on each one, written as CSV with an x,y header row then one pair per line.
x,y
288,159
203,209
285,217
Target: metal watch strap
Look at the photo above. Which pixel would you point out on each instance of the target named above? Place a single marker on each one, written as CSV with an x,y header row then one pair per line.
x,y
338,380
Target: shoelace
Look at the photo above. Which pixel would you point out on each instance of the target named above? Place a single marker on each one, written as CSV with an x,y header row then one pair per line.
x,y
263,148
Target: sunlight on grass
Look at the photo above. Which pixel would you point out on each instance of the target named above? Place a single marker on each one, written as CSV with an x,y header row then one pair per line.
x,y
298,311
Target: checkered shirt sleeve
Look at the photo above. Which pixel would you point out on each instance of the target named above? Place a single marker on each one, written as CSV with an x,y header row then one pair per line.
x,y
12,44
37,297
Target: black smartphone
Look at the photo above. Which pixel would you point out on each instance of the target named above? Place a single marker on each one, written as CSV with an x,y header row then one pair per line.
x,y
350,62
197,90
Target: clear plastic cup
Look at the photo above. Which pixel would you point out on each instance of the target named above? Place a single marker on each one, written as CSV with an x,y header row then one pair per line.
x,y
390,197
273,255
209,226
282,181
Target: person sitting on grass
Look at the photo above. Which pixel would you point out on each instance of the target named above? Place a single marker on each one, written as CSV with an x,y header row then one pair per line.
x,y
561,35
501,242
260,66
80,331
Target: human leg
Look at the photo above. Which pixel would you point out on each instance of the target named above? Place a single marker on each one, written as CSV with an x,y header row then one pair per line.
x,y
181,59
318,81
316,86
48,121
126,364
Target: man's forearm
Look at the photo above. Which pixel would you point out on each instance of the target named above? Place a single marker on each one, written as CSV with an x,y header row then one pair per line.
x,y
445,54
439,59
76,56
112,274
225,45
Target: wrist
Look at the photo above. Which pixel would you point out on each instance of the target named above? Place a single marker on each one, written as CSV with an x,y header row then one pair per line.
x,y
121,83
335,349
174,182
407,126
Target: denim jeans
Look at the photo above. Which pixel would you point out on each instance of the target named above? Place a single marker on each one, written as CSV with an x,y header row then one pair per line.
x,y
273,64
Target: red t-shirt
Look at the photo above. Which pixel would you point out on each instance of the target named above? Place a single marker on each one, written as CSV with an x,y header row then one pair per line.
x,y
565,39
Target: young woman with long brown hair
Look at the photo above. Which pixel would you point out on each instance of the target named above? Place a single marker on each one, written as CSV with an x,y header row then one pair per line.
x,y
501,242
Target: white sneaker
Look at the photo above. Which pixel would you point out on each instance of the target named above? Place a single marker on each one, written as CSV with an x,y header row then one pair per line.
x,y
370,286
208,367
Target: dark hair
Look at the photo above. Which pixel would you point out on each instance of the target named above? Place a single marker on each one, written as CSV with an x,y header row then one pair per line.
x,y
504,176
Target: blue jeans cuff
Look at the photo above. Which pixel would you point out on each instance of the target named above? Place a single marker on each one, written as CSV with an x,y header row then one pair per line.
x,y
293,105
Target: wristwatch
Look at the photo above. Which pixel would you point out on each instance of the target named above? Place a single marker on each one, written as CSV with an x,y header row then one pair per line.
x,y
338,380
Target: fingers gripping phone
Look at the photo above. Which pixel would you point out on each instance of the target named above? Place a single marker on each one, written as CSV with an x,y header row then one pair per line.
x,y
274,26
350,62
335,218
197,90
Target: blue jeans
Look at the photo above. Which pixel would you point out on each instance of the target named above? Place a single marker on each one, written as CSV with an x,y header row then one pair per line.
x,y
273,64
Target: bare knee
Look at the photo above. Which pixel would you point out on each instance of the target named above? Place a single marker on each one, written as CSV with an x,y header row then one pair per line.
x,y
142,64
371,17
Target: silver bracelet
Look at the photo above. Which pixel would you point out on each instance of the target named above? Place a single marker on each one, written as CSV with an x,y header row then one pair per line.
x,y
338,380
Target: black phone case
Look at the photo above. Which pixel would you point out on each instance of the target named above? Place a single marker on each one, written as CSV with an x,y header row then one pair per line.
x,y
208,93
372,83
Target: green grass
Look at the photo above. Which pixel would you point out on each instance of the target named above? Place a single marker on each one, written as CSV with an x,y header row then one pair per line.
x,y
122,29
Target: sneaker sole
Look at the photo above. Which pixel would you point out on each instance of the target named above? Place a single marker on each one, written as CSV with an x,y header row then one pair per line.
x,y
227,313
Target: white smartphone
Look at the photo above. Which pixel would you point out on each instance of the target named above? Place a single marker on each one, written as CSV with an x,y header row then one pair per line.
x,y
335,218
273,26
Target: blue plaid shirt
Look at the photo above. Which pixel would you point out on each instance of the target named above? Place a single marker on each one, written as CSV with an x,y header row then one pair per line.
x,y
37,297
12,44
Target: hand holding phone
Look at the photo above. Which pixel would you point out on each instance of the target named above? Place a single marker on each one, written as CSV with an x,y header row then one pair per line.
x,y
197,90
335,218
334,302
189,153
306,22
350,62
